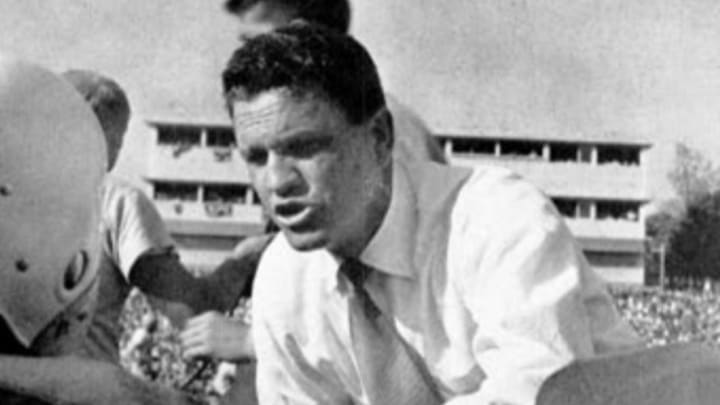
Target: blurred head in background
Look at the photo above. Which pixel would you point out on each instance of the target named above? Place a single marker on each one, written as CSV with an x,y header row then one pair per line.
x,y
260,16
110,104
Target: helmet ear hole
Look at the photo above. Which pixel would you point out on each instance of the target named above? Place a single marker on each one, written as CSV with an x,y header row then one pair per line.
x,y
76,270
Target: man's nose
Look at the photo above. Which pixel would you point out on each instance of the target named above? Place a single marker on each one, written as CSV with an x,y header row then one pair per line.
x,y
282,177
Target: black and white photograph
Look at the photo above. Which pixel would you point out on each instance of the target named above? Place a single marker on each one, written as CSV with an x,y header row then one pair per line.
x,y
360,202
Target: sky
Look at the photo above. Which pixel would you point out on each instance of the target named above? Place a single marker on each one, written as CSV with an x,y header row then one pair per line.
x,y
645,69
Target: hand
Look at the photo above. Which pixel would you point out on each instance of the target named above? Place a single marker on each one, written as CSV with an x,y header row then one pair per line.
x,y
217,336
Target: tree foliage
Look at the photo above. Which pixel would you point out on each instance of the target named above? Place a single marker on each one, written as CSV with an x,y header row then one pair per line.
x,y
689,230
694,245
693,175
660,225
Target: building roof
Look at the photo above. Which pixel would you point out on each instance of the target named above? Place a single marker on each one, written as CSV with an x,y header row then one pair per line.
x,y
207,120
606,138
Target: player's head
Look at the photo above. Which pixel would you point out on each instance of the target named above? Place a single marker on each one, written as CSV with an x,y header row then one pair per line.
x,y
310,120
52,162
110,104
258,16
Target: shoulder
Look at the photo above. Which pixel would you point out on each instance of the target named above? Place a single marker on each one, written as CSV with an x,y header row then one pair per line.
x,y
131,219
497,198
505,234
499,218
119,194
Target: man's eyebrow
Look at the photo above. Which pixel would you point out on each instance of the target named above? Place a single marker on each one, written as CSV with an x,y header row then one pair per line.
x,y
300,136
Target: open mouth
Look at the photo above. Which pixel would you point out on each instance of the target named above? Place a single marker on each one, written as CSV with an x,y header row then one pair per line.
x,y
289,210
293,216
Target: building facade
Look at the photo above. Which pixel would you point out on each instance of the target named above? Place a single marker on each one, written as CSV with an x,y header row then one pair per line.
x,y
202,189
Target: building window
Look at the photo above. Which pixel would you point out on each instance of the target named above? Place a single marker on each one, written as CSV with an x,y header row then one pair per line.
x,y
178,135
443,141
566,207
622,155
563,152
166,191
522,148
220,137
618,210
584,209
225,193
468,146
585,154
613,259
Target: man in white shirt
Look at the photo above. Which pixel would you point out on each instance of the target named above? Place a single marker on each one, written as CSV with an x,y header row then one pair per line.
x,y
482,282
259,16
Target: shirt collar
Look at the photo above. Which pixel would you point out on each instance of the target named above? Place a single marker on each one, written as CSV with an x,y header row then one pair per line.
x,y
391,248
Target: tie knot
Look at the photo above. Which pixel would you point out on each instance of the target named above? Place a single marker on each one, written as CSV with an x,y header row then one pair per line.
x,y
355,271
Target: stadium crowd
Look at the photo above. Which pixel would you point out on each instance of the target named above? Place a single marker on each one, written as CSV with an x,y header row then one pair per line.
x,y
660,317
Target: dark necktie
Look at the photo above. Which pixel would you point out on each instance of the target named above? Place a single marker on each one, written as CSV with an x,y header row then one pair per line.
x,y
391,371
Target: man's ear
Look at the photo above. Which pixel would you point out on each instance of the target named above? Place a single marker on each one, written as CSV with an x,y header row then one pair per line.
x,y
382,131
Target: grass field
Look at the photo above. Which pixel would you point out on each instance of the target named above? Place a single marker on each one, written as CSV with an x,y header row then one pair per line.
x,y
660,317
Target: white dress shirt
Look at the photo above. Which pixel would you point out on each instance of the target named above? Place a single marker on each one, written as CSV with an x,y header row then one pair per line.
x,y
480,275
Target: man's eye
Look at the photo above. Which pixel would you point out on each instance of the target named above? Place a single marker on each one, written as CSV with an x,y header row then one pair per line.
x,y
256,157
307,148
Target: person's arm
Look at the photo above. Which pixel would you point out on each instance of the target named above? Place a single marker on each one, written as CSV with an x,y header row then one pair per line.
x,y
173,290
144,253
79,381
536,303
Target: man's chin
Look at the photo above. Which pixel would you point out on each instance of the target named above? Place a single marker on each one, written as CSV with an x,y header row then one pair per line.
x,y
306,240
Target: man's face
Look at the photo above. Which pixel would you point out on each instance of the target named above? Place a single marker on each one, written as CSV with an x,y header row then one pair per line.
x,y
261,18
320,179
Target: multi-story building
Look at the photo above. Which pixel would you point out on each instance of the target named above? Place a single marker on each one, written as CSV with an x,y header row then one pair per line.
x,y
202,188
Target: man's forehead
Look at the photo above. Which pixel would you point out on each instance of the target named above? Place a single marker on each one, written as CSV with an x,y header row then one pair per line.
x,y
258,113
278,111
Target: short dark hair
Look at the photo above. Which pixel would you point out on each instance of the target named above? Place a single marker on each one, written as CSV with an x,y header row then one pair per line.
x,y
334,14
105,96
307,60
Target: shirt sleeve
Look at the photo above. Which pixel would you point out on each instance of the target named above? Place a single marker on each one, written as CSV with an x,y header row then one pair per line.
x,y
536,303
140,231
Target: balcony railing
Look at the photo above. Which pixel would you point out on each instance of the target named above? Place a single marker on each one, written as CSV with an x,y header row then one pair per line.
x,y
209,211
571,179
205,164
606,228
